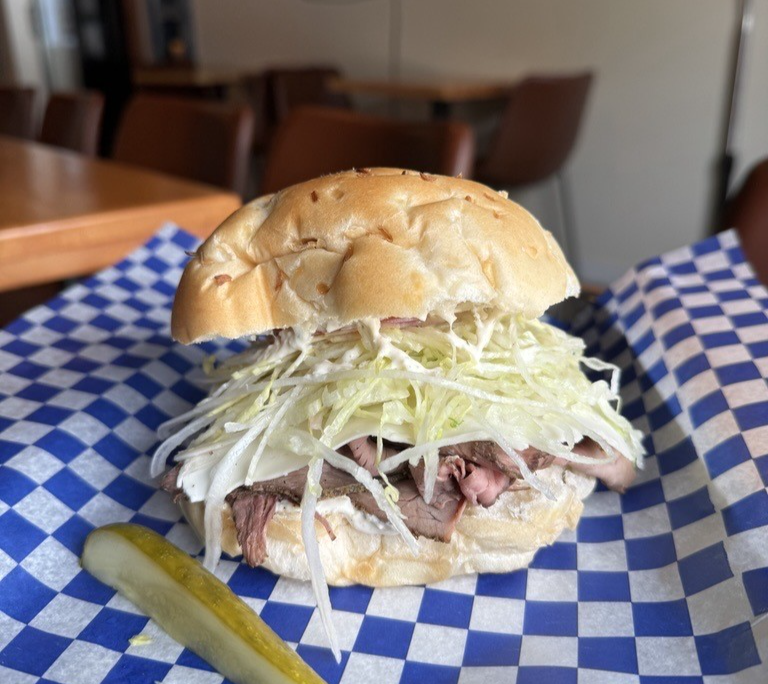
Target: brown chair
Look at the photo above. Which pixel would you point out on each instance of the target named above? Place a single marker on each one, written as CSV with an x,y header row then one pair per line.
x,y
747,212
17,110
290,88
537,133
73,121
319,140
197,139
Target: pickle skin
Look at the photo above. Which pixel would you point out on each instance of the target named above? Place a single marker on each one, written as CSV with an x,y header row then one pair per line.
x,y
192,605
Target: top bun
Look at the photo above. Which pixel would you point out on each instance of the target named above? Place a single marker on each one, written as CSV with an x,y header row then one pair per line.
x,y
371,243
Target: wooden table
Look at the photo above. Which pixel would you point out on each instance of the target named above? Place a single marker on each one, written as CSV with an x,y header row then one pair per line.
x,y
64,215
441,94
216,80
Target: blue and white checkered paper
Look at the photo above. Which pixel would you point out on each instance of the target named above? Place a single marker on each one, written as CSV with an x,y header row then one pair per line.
x,y
668,583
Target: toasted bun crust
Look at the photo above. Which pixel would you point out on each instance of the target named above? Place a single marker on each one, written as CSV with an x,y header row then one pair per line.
x,y
375,243
501,538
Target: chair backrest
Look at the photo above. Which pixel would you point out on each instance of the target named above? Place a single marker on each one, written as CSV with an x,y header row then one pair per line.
x,y
318,140
17,109
538,129
198,139
73,121
290,88
747,212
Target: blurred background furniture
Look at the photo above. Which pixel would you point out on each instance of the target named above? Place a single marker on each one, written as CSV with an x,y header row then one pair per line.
x,y
537,133
104,60
747,211
290,88
188,80
318,140
17,108
254,87
441,94
73,121
64,215
122,40
401,59
159,33
197,139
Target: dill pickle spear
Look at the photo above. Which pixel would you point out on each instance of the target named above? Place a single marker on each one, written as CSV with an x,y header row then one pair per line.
x,y
192,605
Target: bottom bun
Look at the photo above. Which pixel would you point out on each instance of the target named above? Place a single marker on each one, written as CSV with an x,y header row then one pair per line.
x,y
501,538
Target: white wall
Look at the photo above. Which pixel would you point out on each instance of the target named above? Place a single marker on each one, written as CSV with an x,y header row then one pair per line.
x,y
257,33
643,169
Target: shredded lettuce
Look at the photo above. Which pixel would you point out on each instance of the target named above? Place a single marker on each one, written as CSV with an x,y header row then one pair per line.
x,y
503,378
312,549
292,399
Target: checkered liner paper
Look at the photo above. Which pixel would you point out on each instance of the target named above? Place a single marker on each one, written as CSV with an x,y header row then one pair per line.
x,y
667,583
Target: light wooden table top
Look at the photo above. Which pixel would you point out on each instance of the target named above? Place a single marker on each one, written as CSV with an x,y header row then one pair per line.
x,y
448,91
63,215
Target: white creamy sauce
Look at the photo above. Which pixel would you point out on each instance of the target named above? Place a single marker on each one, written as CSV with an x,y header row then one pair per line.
x,y
399,359
370,332
325,367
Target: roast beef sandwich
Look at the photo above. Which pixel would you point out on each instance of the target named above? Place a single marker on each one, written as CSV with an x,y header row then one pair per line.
x,y
401,414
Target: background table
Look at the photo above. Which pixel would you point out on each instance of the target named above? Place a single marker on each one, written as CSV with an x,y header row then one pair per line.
x,y
63,215
185,80
441,94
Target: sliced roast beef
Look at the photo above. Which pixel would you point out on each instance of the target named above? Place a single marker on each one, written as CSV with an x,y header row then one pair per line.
x,y
333,482
421,518
445,486
616,475
491,455
290,486
252,511
479,484
363,451
475,472
169,484
536,459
